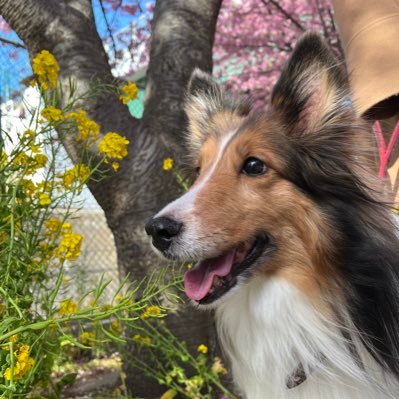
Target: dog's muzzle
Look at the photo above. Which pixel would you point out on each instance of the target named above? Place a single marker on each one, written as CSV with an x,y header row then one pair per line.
x,y
163,230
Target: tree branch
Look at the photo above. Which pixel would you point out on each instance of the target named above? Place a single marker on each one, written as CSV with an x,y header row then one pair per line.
x,y
322,21
12,42
67,29
111,36
285,13
182,38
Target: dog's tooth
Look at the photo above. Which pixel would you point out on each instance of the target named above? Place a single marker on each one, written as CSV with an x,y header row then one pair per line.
x,y
218,281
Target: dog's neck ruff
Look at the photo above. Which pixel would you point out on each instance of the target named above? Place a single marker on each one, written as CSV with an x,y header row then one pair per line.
x,y
276,342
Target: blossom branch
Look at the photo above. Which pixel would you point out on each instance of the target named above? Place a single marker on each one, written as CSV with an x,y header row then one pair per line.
x,y
285,13
12,42
322,20
111,36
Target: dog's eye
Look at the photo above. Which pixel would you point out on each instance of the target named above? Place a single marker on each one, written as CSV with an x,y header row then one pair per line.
x,y
197,170
254,167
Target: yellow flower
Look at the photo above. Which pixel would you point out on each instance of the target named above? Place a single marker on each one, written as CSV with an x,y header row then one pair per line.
x,y
52,225
46,68
52,114
3,236
151,311
86,338
202,349
22,159
35,148
88,129
34,266
113,145
28,186
67,307
194,385
69,247
29,133
66,228
23,364
129,91
14,338
217,367
43,186
23,352
169,394
41,160
78,174
167,164
7,374
46,251
44,199
145,341
115,166
30,164
116,327
3,157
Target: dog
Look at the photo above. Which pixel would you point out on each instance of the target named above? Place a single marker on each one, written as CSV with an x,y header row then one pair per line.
x,y
294,249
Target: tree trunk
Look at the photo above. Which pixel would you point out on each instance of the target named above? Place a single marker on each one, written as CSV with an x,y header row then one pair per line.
x,y
182,38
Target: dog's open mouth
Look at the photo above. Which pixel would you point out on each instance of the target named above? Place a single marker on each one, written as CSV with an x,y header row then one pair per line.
x,y
212,278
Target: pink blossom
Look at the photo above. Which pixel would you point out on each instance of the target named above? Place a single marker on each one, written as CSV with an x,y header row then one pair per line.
x,y
4,27
255,37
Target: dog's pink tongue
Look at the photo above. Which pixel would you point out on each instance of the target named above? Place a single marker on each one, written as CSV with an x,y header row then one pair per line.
x,y
198,281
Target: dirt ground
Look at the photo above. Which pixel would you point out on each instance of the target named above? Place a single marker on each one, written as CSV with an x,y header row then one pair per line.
x,y
99,379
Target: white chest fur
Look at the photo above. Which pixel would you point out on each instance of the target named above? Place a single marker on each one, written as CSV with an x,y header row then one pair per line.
x,y
268,328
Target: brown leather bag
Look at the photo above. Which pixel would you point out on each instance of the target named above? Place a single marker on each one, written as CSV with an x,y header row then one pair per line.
x,y
369,31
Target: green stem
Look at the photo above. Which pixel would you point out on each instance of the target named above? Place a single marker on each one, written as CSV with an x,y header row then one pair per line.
x,y
12,368
12,302
12,232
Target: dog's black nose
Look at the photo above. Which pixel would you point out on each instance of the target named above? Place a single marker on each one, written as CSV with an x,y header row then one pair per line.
x,y
163,230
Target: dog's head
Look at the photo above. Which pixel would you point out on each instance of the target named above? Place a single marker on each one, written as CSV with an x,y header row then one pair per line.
x,y
251,210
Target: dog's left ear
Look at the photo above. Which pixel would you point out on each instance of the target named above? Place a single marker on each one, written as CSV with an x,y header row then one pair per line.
x,y
312,92
204,98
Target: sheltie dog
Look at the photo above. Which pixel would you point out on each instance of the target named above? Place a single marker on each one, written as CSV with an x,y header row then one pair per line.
x,y
294,249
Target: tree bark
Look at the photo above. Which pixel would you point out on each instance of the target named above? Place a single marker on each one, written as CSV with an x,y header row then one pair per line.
x,y
182,38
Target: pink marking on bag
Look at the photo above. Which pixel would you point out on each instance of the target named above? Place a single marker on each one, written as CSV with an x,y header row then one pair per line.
x,y
384,151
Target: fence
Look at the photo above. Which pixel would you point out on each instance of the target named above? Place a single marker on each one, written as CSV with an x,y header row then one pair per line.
x,y
98,258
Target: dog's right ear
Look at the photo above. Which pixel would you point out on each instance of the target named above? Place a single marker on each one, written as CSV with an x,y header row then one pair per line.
x,y
204,98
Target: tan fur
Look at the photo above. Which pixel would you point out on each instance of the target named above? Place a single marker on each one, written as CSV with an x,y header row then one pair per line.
x,y
236,207
218,123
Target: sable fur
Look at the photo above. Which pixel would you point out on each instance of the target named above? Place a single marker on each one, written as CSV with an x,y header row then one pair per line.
x,y
367,249
324,298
